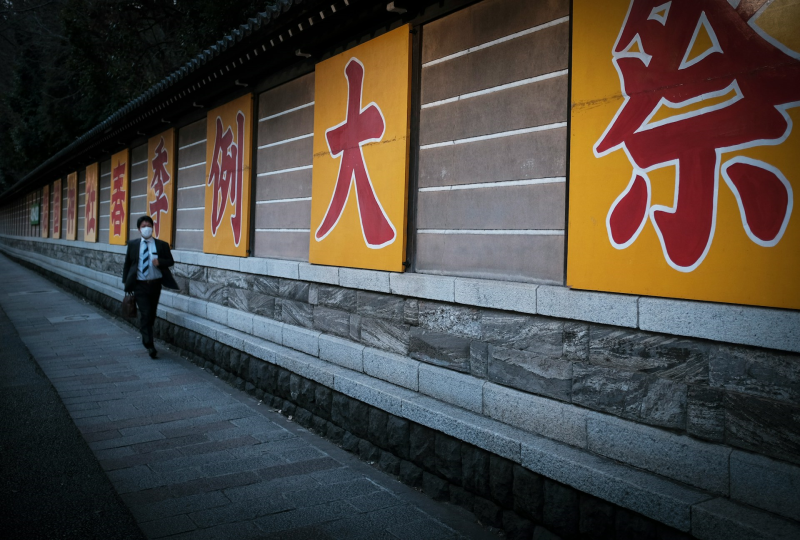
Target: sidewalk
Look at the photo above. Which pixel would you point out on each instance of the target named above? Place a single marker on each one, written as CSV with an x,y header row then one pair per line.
x,y
194,458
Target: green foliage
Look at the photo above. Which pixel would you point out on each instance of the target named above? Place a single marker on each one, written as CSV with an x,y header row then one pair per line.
x,y
65,65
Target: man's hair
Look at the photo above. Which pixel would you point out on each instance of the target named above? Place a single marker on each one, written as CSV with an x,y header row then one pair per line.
x,y
142,220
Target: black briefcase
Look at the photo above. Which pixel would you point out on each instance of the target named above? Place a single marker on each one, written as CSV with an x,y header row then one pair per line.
x,y
129,306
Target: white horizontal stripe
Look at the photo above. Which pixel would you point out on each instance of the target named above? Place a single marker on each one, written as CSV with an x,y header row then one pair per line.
x,y
496,135
101,230
495,232
189,230
287,111
195,208
191,187
138,163
105,188
496,41
135,214
301,137
284,230
190,166
506,183
107,174
272,173
81,206
192,144
138,196
273,201
107,215
523,82
138,179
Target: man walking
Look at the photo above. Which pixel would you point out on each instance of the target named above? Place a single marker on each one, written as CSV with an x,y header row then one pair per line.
x,y
146,269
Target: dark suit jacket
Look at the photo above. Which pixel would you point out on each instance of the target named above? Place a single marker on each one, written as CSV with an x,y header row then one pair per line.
x,y
132,264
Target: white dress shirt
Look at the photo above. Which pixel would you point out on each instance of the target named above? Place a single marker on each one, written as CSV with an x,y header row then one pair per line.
x,y
152,271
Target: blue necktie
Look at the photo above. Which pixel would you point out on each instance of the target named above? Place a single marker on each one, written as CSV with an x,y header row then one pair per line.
x,y
146,260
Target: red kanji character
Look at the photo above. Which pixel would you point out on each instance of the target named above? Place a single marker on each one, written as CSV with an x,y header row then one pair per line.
x,y
700,79
160,178
226,176
91,195
118,198
361,126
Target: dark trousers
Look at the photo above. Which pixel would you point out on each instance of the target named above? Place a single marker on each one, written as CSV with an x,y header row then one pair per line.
x,y
147,294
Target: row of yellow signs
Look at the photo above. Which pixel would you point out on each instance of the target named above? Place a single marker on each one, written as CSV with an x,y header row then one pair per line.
x,y
699,96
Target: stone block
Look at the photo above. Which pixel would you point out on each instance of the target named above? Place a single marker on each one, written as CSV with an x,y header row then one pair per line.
x,y
318,274
535,373
461,497
535,414
266,285
337,297
642,492
669,357
454,388
762,425
539,335
675,456
394,368
422,447
475,470
313,294
450,319
253,265
371,391
283,269
448,458
411,311
377,426
746,325
293,290
332,321
488,512
210,292
180,302
380,306
758,372
306,366
341,352
519,297
423,286
240,321
385,335
228,278
720,519
410,474
528,493
268,329
297,313
301,339
637,396
434,487
603,308
705,414
197,307
596,518
478,359
501,481
446,350
368,280
560,512
397,433
631,526
765,483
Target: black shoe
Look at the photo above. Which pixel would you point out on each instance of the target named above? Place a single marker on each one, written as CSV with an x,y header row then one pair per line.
x,y
153,352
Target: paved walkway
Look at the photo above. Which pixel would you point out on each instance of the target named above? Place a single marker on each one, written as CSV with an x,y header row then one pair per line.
x,y
193,457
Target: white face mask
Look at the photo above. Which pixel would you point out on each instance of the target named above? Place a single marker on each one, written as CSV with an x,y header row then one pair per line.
x,y
147,232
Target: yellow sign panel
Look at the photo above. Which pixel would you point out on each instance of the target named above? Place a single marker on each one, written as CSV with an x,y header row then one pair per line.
x,y
91,203
361,140
57,209
45,219
683,152
72,206
120,198
226,229
161,159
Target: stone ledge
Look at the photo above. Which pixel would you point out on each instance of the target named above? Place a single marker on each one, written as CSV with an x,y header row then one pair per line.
x,y
720,519
761,327
643,492
765,483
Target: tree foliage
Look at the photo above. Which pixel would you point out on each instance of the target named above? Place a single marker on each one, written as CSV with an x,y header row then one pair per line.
x,y
66,65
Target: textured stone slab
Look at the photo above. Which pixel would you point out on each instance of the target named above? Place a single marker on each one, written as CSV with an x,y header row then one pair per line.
x,y
342,352
332,321
450,319
525,332
763,426
337,297
380,306
762,327
765,483
383,395
535,414
705,415
423,286
752,371
641,492
301,339
240,321
604,308
394,368
385,335
454,388
519,297
229,278
197,307
671,357
535,373
268,329
720,519
446,350
369,280
318,274
307,366
296,313
629,394
675,456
